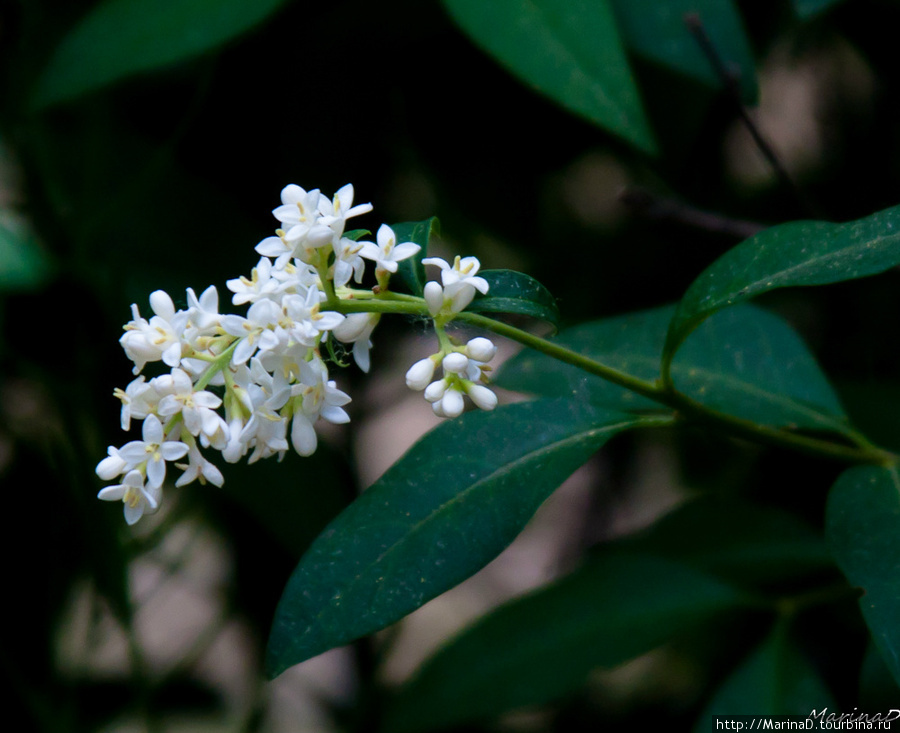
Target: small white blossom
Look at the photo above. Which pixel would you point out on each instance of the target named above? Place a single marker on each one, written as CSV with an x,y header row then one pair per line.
x,y
138,499
387,253
158,338
196,407
138,400
460,280
198,468
153,450
111,466
357,329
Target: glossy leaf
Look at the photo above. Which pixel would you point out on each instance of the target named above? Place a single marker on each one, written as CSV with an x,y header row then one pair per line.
x,y
792,254
863,529
411,271
745,361
775,679
809,8
119,38
515,292
537,648
567,49
443,511
657,30
357,234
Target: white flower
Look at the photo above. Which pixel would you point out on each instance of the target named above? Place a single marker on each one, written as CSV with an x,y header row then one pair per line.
x,y
347,261
203,312
153,450
160,338
387,253
197,408
198,468
138,499
357,329
460,280
340,209
138,400
308,322
299,212
266,429
260,284
111,466
320,399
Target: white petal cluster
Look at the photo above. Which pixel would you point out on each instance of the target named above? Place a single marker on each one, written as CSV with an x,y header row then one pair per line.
x,y
272,382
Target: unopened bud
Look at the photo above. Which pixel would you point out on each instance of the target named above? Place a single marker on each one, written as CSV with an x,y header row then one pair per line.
x,y
482,396
434,297
455,362
419,374
481,349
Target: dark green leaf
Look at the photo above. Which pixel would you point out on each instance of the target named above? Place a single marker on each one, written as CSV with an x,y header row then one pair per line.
x,y
878,690
567,49
539,647
516,292
442,512
809,8
23,264
796,253
743,543
745,361
357,234
775,679
119,38
656,29
411,270
863,529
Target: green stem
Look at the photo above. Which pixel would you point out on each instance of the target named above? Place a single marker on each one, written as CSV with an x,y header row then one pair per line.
x,y
217,365
658,391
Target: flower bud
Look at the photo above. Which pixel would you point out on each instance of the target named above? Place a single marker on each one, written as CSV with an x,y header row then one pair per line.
x,y
435,390
111,466
481,349
355,326
455,362
482,396
420,374
434,297
452,403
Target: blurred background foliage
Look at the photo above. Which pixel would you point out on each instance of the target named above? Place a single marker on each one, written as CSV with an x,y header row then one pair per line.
x,y
144,148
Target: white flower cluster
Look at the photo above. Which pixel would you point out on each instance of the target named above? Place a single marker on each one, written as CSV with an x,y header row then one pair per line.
x,y
267,364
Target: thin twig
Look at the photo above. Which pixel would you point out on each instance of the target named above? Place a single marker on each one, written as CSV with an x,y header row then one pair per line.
x,y
656,207
731,81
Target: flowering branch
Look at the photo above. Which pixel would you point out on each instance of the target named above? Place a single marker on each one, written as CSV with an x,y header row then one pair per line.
x,y
269,366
